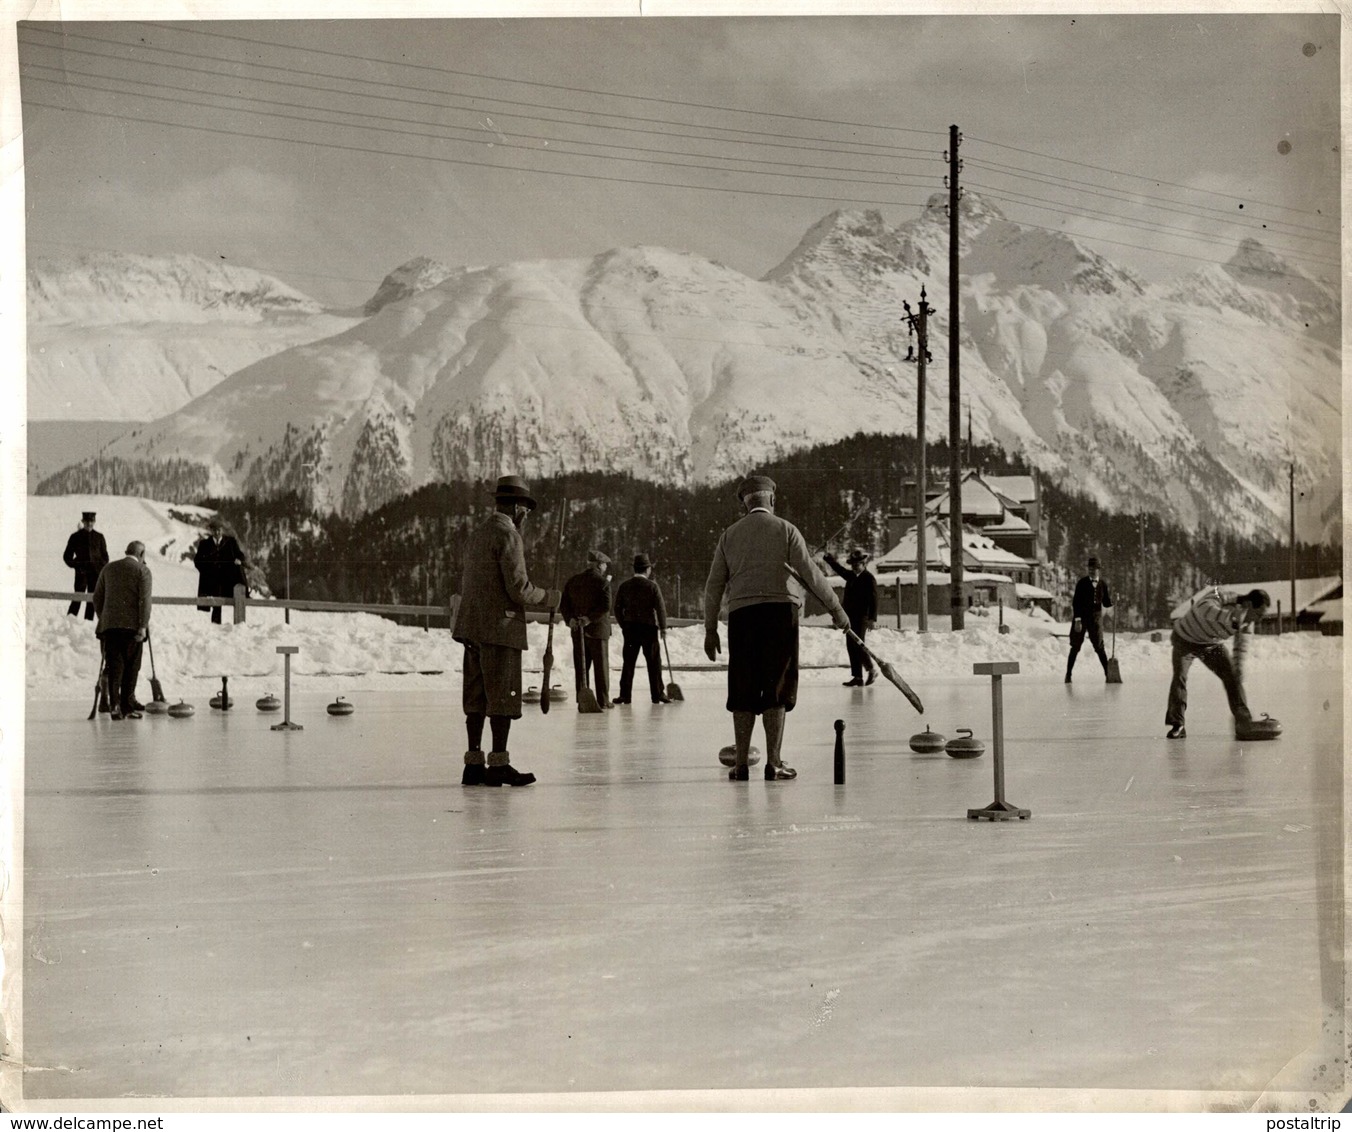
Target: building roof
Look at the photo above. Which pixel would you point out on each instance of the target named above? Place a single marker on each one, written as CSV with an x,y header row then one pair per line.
x,y
975,497
1021,489
1032,593
978,552
1308,592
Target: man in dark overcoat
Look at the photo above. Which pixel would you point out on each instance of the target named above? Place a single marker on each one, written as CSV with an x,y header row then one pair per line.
x,y
122,598
1086,608
86,553
861,606
220,563
491,623
642,615
585,606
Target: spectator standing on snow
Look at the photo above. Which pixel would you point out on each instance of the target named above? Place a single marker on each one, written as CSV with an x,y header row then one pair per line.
x,y
220,566
1202,633
642,615
761,565
585,606
1086,608
86,553
491,623
860,602
122,599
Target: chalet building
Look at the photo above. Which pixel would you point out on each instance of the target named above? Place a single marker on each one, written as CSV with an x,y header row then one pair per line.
x,y
1006,511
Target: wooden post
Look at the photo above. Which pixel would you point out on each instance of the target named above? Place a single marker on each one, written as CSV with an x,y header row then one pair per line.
x,y
239,602
998,810
898,601
286,724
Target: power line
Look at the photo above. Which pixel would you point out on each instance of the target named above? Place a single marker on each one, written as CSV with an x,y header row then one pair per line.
x,y
482,98
550,86
467,161
1112,218
499,141
1143,177
1221,215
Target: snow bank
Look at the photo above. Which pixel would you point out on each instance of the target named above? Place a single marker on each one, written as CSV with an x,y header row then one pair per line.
x,y
351,652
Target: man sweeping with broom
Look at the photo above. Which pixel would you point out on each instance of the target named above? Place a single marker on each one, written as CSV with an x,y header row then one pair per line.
x,y
761,564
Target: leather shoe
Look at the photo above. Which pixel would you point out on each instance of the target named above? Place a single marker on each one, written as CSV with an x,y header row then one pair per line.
x,y
506,775
739,774
1177,731
872,676
662,699
116,715
778,772
853,682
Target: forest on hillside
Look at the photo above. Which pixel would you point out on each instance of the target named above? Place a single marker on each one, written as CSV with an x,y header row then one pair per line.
x,y
410,550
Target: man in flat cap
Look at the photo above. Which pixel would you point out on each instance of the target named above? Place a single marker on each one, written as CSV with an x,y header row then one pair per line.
x,y
122,598
861,605
585,606
491,624
642,615
761,565
86,553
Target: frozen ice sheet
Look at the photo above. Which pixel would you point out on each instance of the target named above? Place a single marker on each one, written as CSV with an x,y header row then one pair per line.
x,y
214,909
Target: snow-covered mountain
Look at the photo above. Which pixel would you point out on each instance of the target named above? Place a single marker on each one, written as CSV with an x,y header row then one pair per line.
x,y
1183,399
129,337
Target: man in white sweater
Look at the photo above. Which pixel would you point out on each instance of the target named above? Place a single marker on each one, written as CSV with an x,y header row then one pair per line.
x,y
761,565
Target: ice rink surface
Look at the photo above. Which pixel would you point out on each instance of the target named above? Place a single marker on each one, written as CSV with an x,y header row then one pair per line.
x,y
213,909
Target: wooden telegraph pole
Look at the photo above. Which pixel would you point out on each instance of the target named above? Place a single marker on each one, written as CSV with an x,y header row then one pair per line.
x,y
918,324
1292,482
954,392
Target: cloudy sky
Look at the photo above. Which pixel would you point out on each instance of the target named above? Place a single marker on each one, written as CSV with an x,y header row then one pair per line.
x,y
327,152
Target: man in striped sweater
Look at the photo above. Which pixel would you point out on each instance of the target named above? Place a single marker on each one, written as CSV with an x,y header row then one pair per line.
x,y
1202,633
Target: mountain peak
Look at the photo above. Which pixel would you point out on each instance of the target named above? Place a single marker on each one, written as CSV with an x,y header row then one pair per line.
x,y
418,274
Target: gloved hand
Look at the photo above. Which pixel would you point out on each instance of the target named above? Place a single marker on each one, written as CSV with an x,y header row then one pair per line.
x,y
712,645
552,599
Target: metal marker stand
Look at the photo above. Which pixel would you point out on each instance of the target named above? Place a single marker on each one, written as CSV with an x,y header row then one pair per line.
x,y
999,810
286,724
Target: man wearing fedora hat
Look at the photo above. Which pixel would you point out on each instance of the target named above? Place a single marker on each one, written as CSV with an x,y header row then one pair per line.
x,y
642,614
86,553
585,606
494,592
761,565
861,606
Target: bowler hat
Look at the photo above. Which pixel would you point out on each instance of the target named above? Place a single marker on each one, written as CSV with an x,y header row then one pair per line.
x,y
1093,563
753,484
86,516
513,489
600,557
641,562
857,555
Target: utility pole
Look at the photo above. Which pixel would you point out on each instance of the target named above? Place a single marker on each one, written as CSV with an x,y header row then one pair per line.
x,y
954,390
1292,482
918,324
1145,584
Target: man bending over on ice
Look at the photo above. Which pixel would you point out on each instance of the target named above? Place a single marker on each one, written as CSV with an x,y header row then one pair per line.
x,y
1201,633
761,563
491,624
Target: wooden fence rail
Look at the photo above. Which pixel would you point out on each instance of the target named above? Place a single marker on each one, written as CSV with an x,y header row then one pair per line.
x,y
239,604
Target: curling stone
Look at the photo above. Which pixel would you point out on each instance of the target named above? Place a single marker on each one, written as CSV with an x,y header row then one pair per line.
x,y
927,742
965,747
181,710
269,703
728,756
557,695
156,707
340,707
531,695
222,704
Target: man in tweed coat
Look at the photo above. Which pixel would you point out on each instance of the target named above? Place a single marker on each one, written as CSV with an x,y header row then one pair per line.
x,y
122,600
761,565
491,624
